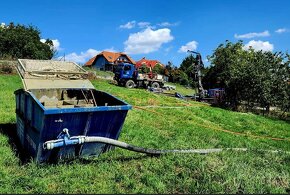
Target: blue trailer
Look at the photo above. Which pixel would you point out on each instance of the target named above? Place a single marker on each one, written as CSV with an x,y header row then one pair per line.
x,y
59,103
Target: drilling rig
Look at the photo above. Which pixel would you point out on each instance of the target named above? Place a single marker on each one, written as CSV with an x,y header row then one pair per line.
x,y
197,65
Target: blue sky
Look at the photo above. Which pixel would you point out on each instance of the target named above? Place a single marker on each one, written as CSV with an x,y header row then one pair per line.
x,y
155,29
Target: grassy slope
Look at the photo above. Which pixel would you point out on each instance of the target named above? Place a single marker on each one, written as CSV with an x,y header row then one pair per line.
x,y
100,73
194,126
181,89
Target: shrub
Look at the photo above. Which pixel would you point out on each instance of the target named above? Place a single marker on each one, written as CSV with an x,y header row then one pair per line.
x,y
6,68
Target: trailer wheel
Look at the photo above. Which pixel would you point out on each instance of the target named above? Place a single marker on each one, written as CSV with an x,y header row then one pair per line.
x,y
155,85
130,84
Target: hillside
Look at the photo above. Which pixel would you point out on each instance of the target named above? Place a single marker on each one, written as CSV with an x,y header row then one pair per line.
x,y
190,125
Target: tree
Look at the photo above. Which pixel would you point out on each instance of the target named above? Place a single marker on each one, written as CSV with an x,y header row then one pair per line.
x,y
158,69
187,66
144,69
249,77
168,69
183,78
20,41
175,75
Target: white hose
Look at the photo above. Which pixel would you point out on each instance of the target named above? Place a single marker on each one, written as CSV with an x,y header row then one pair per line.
x,y
94,139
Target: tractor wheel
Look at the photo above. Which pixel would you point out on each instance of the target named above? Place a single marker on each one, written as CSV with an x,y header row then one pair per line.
x,y
130,84
155,85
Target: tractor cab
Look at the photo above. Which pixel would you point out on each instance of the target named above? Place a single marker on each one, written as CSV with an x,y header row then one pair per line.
x,y
125,71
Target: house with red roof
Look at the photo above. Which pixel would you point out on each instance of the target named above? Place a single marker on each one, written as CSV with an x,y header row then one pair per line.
x,y
148,63
108,61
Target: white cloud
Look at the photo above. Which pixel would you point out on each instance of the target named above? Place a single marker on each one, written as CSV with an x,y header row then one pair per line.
x,y
144,24
189,46
83,57
281,30
252,35
167,24
129,25
132,24
147,41
259,45
56,44
168,49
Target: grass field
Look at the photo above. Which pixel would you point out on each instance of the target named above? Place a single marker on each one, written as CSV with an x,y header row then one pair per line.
x,y
100,73
195,125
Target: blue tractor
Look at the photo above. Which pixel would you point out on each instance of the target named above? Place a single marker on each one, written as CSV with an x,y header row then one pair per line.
x,y
128,75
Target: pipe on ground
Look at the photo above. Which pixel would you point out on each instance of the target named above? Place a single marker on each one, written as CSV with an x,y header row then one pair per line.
x,y
49,145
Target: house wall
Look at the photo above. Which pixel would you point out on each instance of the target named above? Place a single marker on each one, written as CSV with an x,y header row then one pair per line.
x,y
100,63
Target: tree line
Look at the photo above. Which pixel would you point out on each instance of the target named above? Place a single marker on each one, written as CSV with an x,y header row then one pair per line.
x,y
20,41
183,74
250,78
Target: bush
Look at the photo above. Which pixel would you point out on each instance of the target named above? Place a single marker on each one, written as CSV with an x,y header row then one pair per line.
x,y
6,68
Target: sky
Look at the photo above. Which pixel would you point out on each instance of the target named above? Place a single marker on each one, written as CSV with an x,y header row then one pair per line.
x,y
156,29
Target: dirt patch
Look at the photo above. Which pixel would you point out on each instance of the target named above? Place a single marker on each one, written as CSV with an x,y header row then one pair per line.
x,y
153,102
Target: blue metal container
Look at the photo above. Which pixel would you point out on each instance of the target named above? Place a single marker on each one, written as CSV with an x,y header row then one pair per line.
x,y
42,113
212,92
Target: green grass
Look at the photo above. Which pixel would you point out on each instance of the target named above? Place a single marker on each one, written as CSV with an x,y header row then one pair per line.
x,y
197,125
181,89
100,73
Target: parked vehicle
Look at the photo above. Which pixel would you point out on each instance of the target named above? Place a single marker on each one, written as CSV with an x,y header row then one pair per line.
x,y
128,75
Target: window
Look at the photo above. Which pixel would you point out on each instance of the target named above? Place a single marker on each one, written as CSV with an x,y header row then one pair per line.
x,y
127,67
120,67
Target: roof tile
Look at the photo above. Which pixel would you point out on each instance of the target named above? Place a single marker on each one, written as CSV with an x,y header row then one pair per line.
x,y
110,57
